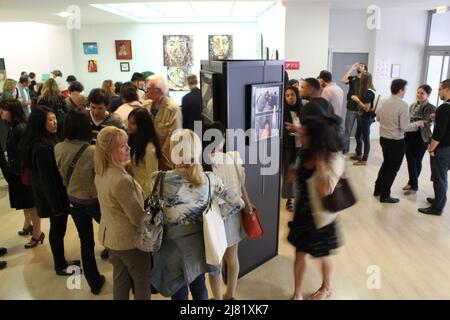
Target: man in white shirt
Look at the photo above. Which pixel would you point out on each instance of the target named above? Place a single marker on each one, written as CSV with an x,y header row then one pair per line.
x,y
394,122
331,91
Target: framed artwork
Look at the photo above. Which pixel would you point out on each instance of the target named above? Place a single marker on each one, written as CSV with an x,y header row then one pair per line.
x,y
123,50
125,67
395,71
178,51
220,47
264,110
90,48
177,78
92,66
2,74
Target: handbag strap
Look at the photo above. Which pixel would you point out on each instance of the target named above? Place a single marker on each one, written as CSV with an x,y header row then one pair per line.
x,y
208,206
74,162
241,180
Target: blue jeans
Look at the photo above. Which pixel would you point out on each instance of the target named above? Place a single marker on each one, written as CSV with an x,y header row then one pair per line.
x,y
362,136
197,287
350,119
440,164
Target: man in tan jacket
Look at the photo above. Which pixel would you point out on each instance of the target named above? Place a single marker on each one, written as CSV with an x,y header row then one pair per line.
x,y
166,115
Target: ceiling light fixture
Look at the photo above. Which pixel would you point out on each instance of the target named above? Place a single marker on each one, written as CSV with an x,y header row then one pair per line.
x,y
64,14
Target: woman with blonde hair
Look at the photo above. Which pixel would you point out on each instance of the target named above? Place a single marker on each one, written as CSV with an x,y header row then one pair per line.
x,y
122,207
52,98
181,261
9,89
108,86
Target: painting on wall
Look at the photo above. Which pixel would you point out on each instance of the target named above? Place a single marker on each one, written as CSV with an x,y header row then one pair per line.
x,y
177,78
90,48
92,66
178,51
123,50
125,67
220,47
2,74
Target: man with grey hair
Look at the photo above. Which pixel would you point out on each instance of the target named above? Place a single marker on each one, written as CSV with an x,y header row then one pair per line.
x,y
166,116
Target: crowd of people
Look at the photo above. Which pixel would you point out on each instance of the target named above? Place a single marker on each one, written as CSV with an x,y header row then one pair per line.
x,y
98,158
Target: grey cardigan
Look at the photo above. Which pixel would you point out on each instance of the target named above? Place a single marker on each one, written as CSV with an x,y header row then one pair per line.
x,y
425,114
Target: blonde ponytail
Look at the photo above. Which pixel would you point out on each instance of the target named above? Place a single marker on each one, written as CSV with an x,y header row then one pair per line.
x,y
186,150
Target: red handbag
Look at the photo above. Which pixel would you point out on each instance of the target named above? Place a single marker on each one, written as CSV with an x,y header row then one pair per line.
x,y
252,225
250,220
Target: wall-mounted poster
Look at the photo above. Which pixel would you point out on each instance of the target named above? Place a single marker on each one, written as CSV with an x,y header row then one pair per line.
x,y
123,50
264,113
220,47
92,66
90,48
125,67
178,51
177,78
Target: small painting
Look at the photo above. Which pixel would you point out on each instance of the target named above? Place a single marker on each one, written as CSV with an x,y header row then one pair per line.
x,y
125,66
123,50
90,48
92,66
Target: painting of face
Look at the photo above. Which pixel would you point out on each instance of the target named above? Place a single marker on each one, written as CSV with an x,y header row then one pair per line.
x,y
178,51
177,78
220,47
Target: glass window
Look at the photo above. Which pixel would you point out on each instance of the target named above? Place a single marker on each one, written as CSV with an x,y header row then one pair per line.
x,y
440,26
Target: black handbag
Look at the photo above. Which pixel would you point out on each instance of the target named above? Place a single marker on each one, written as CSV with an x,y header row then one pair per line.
x,y
341,198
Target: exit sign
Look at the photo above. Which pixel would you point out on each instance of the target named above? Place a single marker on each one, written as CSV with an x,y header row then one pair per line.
x,y
442,9
292,65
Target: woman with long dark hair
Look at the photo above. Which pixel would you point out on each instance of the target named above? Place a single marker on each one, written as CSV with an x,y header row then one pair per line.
x,y
364,100
321,166
52,98
20,195
145,147
48,189
291,145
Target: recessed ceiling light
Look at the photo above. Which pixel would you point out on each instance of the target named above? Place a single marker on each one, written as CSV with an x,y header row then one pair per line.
x,y
64,14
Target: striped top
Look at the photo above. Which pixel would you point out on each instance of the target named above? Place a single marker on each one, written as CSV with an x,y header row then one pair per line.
x,y
110,120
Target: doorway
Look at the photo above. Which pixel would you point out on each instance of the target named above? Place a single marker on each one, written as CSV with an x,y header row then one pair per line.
x,y
437,69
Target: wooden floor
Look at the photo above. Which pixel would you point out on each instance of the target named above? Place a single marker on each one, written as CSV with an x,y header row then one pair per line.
x,y
411,251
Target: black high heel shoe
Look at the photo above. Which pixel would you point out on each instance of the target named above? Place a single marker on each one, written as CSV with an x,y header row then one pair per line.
x,y
65,272
26,231
34,242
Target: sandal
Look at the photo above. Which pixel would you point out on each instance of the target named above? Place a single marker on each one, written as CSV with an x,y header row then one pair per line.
x,y
320,295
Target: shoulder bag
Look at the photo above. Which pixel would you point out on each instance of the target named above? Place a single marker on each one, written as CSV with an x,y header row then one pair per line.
x,y
150,232
214,234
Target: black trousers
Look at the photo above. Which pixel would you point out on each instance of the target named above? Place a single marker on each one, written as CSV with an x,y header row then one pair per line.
x,y
393,153
58,226
415,150
82,216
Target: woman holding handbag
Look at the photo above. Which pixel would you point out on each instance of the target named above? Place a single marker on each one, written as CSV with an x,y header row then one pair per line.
x,y
75,160
228,167
319,157
181,261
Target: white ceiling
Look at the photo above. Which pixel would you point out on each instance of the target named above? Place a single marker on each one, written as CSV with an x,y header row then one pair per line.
x,y
172,10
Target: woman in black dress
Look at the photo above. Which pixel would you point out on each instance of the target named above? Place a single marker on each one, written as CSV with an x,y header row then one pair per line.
x,y
319,144
20,195
49,192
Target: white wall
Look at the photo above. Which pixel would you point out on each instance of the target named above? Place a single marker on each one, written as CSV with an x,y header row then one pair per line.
x,y
271,24
35,47
147,47
306,38
401,40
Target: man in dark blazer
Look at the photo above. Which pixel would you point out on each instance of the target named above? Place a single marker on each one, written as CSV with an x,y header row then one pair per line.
x,y
191,105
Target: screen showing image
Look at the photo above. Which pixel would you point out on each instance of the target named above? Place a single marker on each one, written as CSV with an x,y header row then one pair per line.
x,y
265,110
206,80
